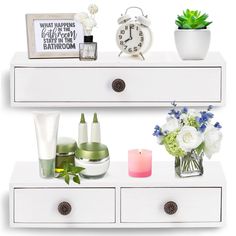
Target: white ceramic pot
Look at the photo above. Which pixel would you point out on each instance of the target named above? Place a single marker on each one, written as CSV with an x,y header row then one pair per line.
x,y
192,44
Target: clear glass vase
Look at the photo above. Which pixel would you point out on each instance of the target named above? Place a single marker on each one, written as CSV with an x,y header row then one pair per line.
x,y
189,165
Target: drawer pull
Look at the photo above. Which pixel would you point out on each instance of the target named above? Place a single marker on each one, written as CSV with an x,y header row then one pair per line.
x,y
170,208
118,85
64,208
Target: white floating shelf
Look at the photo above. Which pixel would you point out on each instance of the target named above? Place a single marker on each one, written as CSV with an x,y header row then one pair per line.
x,y
157,81
117,200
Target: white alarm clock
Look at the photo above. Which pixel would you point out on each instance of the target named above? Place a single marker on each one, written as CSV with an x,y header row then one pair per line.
x,y
134,37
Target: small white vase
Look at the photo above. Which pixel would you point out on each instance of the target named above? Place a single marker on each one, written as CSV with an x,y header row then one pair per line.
x,y
192,44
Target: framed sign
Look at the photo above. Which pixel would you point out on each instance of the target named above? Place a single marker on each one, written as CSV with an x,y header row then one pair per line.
x,y
53,35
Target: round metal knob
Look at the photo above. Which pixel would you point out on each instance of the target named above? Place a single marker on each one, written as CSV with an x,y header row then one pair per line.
x,y
118,85
64,208
170,208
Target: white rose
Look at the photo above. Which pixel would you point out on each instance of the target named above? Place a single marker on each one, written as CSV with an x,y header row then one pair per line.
x,y
93,9
80,17
189,138
213,137
171,125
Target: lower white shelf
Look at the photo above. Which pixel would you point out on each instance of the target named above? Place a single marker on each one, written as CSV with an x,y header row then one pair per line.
x,y
117,200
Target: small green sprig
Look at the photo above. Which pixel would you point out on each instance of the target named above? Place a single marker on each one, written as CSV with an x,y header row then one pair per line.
x,y
192,20
69,170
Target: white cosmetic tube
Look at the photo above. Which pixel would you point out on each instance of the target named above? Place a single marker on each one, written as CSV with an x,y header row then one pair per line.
x,y
46,127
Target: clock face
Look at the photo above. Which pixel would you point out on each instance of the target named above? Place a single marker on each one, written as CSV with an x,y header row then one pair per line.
x,y
130,38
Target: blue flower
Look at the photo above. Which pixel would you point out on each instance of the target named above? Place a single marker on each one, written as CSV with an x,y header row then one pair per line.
x,y
172,112
202,128
157,131
206,116
199,120
175,113
185,110
217,125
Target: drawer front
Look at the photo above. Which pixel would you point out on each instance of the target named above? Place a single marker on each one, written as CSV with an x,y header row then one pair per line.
x,y
95,85
194,205
42,205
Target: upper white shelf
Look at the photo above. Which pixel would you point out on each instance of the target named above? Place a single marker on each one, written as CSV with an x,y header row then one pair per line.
x,y
118,81
111,59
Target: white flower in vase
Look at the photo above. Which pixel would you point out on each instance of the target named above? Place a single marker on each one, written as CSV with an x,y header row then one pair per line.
x,y
171,125
213,137
87,20
89,24
189,138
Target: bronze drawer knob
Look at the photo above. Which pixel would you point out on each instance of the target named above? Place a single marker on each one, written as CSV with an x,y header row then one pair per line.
x,y
170,208
118,85
64,208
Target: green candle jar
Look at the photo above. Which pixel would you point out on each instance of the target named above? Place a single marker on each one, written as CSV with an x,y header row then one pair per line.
x,y
65,153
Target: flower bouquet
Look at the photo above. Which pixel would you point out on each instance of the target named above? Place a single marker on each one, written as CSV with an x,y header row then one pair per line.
x,y
188,135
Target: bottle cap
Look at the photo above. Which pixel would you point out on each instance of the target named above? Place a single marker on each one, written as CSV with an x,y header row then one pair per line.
x,y
95,118
82,118
88,38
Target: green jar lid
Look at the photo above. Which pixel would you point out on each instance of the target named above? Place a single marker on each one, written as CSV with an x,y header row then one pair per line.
x,y
66,145
92,151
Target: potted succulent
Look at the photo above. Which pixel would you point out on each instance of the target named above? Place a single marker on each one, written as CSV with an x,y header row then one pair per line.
x,y
189,135
192,38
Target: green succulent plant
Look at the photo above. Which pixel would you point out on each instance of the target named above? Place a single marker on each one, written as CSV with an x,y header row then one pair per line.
x,y
192,20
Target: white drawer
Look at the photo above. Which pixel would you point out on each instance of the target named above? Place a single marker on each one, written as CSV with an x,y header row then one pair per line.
x,y
194,205
94,85
88,205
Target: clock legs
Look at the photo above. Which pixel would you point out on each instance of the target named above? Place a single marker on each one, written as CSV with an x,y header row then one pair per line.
x,y
140,54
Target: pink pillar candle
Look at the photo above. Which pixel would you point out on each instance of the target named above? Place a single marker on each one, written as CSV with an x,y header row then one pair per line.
x,y
140,163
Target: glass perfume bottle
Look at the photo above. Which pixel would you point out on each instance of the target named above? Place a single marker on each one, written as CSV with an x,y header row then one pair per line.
x,y
88,49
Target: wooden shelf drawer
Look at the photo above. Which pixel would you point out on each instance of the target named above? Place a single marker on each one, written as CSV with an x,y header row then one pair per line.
x,y
194,205
88,205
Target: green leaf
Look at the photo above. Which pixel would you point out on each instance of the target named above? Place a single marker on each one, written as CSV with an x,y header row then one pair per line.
x,y
78,169
67,179
208,23
187,26
70,170
178,23
62,174
76,179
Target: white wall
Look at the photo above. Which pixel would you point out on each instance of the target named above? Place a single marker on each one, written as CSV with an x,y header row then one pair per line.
x,y
122,129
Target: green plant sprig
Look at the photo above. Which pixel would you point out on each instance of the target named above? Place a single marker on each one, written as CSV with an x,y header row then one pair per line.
x,y
192,20
69,170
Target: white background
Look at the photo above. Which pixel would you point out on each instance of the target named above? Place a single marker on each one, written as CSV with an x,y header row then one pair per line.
x,y
122,129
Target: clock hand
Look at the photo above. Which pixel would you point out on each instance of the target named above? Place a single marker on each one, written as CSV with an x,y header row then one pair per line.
x,y
127,40
130,30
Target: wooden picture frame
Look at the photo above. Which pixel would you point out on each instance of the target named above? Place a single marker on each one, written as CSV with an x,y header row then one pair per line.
x,y
53,35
